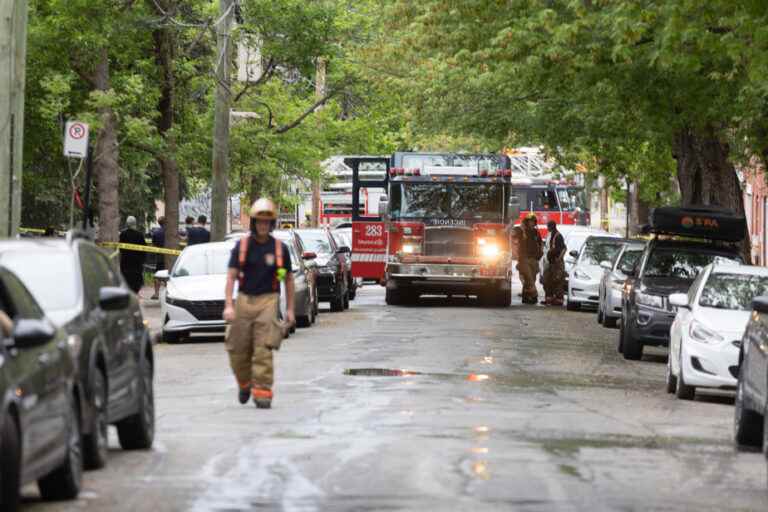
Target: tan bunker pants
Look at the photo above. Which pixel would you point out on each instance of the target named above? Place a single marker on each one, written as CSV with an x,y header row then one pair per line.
x,y
251,337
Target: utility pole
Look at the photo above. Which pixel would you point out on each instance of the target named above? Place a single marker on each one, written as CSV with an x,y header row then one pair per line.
x,y
13,53
320,91
220,185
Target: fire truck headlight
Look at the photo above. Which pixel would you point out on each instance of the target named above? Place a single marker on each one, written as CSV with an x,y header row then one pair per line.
x,y
409,249
490,251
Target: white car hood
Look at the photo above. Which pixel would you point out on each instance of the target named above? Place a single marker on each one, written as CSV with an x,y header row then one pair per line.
x,y
595,272
198,287
729,323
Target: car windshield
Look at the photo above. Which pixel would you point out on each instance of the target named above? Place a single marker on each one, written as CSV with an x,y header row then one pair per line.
x,y
447,201
316,241
681,262
39,269
207,262
733,291
597,251
629,258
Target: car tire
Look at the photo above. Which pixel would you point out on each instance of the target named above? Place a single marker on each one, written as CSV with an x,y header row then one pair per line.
x,y
600,317
96,444
572,305
63,483
306,320
172,337
747,424
346,301
631,347
393,297
503,297
337,304
682,390
670,379
137,432
609,321
10,465
620,341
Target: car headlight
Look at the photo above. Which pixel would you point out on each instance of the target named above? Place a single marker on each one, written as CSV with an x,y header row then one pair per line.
x,y
75,344
488,250
645,299
578,274
703,334
617,284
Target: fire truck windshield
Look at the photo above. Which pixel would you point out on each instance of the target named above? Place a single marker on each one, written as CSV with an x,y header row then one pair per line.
x,y
572,198
447,201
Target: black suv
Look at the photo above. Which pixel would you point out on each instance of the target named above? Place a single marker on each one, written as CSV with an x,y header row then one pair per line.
x,y
332,285
82,292
750,416
39,401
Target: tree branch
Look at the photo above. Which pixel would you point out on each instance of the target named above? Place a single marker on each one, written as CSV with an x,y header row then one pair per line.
x,y
311,110
268,71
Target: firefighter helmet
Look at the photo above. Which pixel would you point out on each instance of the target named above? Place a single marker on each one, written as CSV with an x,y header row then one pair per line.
x,y
263,209
531,216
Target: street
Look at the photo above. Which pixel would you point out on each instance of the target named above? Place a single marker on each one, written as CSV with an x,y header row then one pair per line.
x,y
524,408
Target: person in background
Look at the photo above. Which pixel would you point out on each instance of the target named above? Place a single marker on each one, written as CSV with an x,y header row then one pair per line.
x,y
189,224
199,234
158,240
554,275
132,262
530,252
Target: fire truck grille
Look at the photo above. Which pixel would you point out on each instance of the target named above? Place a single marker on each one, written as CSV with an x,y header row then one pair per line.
x,y
448,242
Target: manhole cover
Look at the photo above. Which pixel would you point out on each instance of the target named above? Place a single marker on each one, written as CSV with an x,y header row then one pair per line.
x,y
378,372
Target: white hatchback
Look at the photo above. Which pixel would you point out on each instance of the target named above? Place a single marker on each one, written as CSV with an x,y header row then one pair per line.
x,y
705,336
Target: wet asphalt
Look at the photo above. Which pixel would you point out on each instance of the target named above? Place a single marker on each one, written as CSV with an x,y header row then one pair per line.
x,y
524,408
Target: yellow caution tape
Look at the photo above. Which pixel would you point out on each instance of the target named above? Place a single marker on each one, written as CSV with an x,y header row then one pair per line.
x,y
141,248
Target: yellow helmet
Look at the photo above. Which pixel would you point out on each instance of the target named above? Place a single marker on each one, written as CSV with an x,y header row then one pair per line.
x,y
531,216
263,209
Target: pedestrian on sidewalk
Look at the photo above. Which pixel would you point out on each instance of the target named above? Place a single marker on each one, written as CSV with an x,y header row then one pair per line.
x,y
158,240
554,273
189,224
259,262
530,252
199,234
132,262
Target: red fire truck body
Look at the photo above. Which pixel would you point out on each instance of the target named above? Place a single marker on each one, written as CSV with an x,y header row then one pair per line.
x,y
558,200
444,228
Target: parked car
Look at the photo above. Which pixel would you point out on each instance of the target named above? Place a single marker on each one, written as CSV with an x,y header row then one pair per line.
x,y
574,237
343,237
40,437
332,285
586,273
92,303
193,299
666,267
612,282
752,388
304,277
707,331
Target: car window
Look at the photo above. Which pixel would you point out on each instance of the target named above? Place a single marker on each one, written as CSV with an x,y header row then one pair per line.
x,y
628,258
38,269
95,273
732,291
596,251
23,304
203,262
541,199
681,262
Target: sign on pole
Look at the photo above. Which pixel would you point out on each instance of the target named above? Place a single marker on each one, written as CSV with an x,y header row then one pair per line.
x,y
76,140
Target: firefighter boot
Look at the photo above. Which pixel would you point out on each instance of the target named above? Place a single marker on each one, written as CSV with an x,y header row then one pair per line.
x,y
262,398
244,394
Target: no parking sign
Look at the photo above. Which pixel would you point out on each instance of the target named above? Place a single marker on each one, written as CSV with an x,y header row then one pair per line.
x,y
76,140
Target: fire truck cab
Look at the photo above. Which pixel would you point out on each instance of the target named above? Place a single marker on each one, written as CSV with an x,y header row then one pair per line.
x,y
442,227
550,199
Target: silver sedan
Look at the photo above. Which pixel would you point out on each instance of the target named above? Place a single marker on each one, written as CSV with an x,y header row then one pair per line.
x,y
612,283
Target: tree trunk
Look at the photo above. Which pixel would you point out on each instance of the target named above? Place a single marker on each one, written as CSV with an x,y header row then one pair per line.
x,y
165,45
638,210
706,176
106,157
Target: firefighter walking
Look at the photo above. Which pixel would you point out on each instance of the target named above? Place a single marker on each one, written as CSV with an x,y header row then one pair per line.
x,y
259,263
530,252
554,272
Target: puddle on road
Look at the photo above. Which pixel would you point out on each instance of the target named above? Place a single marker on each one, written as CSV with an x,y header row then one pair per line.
x,y
379,372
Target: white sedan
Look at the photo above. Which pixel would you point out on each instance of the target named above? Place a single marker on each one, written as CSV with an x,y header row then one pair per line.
x,y
705,336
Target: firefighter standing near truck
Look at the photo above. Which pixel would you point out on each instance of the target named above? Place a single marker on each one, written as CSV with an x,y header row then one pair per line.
x,y
554,273
529,253
259,263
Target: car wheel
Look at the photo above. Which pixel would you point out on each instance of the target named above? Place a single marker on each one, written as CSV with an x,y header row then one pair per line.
x,y
682,390
572,305
10,465
95,444
306,320
503,298
317,304
63,483
631,347
137,432
671,380
393,297
609,321
620,342
172,337
346,300
600,317
747,424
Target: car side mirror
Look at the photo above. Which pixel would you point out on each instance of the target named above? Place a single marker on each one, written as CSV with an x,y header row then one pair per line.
x,y
344,250
113,298
628,270
574,254
606,265
308,255
162,275
679,300
32,333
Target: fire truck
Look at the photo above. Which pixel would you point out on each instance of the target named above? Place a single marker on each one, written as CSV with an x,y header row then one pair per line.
x,y
559,200
441,226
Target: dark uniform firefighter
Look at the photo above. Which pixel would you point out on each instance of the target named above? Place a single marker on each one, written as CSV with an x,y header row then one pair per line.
x,y
529,253
554,266
259,263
